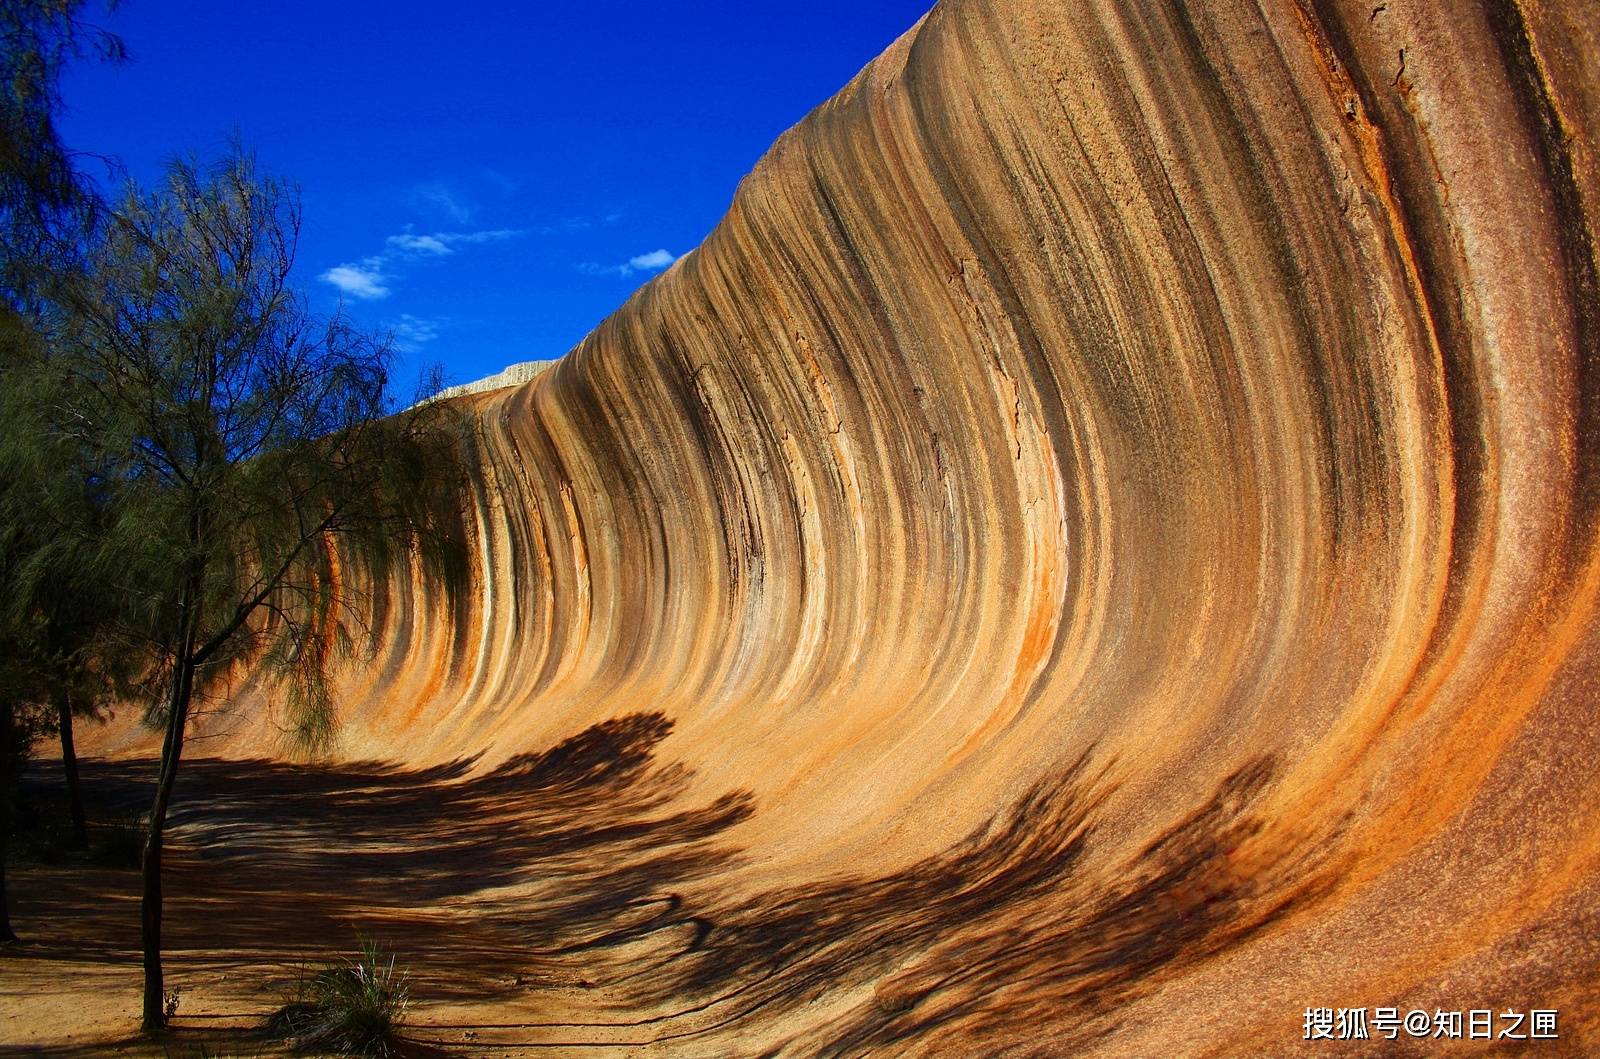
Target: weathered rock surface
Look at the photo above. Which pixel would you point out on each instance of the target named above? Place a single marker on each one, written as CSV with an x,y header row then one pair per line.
x,y
1112,513
514,375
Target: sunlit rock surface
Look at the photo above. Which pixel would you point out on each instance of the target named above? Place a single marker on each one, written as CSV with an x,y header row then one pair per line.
x,y
515,375
1096,552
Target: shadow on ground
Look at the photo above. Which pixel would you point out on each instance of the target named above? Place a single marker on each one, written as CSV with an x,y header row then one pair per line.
x,y
467,878
542,905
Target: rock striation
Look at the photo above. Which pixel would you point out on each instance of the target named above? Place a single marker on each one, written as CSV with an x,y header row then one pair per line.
x,y
1109,516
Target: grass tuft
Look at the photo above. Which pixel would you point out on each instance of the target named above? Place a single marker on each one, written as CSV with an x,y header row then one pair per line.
x,y
353,1008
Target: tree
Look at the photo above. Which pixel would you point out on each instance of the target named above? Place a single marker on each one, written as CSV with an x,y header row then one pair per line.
x,y
55,611
19,729
81,668
57,604
257,475
48,668
57,599
43,198
45,209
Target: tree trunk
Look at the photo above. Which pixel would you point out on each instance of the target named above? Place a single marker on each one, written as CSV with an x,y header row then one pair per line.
x,y
69,763
6,934
155,1015
8,790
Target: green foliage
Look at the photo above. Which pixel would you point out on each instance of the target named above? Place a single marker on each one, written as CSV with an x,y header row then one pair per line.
x,y
231,467
43,200
353,1007
196,472
58,648
254,474
46,213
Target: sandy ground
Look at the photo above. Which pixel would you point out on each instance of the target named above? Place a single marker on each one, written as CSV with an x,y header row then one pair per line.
x,y
273,867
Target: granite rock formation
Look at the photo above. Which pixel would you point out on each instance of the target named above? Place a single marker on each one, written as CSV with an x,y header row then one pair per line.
x,y
1096,553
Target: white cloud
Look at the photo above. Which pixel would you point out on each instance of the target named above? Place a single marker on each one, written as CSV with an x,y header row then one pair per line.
x,y
441,243
490,235
370,277
365,281
654,261
422,244
411,333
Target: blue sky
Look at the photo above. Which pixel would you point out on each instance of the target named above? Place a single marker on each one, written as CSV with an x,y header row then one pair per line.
x,y
489,181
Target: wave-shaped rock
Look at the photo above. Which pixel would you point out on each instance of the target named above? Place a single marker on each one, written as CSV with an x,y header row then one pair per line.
x,y
1114,505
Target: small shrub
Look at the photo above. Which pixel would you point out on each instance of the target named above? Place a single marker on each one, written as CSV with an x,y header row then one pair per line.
x,y
355,1007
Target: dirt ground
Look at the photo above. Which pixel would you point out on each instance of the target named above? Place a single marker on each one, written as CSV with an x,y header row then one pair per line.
x,y
480,886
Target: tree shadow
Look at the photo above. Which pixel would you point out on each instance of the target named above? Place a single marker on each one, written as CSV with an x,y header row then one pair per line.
x,y
462,875
976,950
573,869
